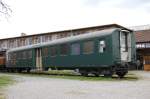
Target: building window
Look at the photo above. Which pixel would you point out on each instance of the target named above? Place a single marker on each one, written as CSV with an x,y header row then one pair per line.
x,y
30,41
54,36
53,51
64,49
88,47
102,46
45,51
75,49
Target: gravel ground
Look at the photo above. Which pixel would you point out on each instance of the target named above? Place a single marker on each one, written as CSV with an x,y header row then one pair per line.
x,y
49,88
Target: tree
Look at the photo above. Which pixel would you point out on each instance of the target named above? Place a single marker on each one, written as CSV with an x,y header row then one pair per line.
x,y
4,8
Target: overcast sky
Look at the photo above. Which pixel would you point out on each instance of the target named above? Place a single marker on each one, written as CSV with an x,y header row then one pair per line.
x,y
39,16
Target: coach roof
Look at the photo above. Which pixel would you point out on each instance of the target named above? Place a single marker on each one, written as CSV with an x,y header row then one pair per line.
x,y
68,39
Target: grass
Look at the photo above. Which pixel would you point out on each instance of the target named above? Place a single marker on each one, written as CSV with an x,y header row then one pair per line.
x,y
2,96
65,74
4,81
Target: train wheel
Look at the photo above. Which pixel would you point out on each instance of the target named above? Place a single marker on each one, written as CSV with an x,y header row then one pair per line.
x,y
19,70
7,70
28,70
108,73
46,69
121,74
84,73
12,70
96,74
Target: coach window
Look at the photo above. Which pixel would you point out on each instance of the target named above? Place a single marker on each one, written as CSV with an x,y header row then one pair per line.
x,y
102,46
64,49
75,49
14,59
88,47
9,56
19,55
24,55
14,56
29,54
45,51
53,51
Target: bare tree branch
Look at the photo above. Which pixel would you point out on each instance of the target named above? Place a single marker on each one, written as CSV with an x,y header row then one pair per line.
x,y
4,8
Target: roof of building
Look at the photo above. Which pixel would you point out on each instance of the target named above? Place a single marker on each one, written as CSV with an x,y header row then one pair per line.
x,y
74,30
142,36
140,27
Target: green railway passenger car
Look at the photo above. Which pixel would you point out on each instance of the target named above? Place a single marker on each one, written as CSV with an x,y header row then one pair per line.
x,y
108,52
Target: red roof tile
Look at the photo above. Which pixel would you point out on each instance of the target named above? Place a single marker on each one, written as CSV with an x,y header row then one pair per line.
x,y
142,36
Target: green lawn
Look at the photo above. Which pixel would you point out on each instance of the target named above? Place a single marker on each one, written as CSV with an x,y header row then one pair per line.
x,y
4,81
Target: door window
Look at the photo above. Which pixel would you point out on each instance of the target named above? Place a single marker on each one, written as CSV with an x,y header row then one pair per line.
x,y
102,46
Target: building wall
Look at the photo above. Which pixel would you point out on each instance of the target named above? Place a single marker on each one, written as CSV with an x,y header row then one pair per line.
x,y
143,55
143,48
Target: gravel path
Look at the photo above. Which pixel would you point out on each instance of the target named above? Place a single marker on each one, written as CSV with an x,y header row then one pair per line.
x,y
49,88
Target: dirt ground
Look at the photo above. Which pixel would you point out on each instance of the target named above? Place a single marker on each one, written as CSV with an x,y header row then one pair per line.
x,y
51,88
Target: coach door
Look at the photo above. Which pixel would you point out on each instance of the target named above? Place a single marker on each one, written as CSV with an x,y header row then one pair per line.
x,y
38,58
125,45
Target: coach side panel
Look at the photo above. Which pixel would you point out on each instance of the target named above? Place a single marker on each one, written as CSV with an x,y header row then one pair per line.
x,y
79,54
20,59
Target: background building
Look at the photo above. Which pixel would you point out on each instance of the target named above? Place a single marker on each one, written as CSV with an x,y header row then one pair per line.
x,y
142,35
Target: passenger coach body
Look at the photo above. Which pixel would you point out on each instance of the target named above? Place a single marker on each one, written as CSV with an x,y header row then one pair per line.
x,y
103,52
